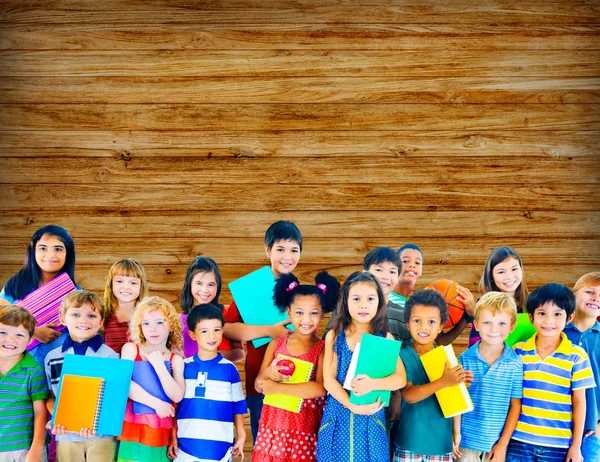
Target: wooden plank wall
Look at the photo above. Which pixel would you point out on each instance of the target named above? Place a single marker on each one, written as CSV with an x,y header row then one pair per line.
x,y
163,130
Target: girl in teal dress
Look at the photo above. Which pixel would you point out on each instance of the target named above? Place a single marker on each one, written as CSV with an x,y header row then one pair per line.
x,y
352,432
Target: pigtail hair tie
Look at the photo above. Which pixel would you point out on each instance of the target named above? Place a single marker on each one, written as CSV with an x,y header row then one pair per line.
x,y
292,286
323,288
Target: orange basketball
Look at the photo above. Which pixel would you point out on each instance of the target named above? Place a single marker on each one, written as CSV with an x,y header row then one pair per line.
x,y
456,309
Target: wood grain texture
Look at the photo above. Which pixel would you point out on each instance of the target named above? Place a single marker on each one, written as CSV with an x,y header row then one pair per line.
x,y
411,145
327,116
260,197
393,227
317,171
284,62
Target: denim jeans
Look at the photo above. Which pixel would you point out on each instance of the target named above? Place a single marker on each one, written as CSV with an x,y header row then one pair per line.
x,y
518,451
590,448
255,404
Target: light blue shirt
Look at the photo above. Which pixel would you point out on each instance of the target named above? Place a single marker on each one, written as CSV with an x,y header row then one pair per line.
x,y
491,391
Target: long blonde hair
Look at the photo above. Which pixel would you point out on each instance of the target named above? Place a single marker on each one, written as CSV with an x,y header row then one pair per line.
x,y
175,339
129,268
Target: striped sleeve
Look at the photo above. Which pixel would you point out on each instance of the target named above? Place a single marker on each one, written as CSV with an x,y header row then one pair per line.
x,y
39,387
237,393
582,376
516,391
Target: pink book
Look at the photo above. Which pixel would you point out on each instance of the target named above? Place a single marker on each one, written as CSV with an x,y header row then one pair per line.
x,y
44,302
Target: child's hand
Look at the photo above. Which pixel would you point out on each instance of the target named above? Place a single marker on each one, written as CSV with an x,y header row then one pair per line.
x,y
469,378
452,376
238,448
455,444
86,433
465,296
163,409
47,333
34,455
273,371
367,409
280,329
156,358
57,429
362,384
172,451
498,453
395,401
268,387
574,454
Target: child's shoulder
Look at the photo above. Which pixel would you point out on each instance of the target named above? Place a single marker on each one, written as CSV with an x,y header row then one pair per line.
x,y
54,354
104,352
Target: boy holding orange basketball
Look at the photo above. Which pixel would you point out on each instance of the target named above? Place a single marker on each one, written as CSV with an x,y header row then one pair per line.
x,y
497,386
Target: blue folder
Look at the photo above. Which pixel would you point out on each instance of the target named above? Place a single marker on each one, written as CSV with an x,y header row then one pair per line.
x,y
147,378
117,380
253,296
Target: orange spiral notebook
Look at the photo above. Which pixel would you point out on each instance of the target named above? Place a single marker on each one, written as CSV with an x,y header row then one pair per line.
x,y
78,404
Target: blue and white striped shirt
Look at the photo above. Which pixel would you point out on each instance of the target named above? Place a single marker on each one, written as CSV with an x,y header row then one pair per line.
x,y
491,391
213,395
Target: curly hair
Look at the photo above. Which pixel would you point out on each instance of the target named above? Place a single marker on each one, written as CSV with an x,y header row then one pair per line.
x,y
287,288
175,339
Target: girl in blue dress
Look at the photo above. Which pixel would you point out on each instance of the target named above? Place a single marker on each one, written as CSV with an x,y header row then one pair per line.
x,y
352,432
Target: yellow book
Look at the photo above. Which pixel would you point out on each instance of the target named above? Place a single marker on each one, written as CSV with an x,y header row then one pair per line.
x,y
78,403
453,400
301,374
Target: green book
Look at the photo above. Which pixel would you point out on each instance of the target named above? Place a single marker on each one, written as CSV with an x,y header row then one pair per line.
x,y
524,330
377,358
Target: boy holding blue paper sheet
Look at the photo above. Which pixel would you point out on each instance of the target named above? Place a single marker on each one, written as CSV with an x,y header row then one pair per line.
x,y
283,246
82,312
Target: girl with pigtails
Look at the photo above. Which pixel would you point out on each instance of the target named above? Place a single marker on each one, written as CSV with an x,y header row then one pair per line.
x,y
284,435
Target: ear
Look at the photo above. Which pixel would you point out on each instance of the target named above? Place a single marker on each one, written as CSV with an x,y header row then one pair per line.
x,y
61,319
192,335
289,312
571,317
530,317
268,252
476,325
512,326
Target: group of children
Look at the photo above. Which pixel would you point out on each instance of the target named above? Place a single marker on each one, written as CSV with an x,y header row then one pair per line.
x,y
536,402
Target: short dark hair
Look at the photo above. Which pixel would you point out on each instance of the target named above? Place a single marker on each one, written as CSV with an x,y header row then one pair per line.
x,y
203,312
427,297
410,246
381,255
558,294
283,231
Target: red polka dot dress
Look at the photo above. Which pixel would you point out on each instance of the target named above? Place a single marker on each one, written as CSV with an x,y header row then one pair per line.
x,y
284,435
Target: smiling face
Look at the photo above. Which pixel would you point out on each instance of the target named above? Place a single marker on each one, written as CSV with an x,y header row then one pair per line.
x,y
50,254
588,301
126,289
412,265
424,324
508,275
155,327
284,256
208,335
83,322
13,340
305,313
549,320
387,274
494,329
203,287
363,302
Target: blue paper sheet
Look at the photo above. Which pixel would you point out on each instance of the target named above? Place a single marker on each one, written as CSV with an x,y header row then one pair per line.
x,y
147,378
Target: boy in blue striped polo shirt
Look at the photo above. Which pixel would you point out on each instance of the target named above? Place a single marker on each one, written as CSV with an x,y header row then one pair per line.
x,y
23,390
497,386
213,404
556,374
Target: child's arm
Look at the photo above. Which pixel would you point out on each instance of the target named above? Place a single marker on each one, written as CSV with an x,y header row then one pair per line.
x,y
39,431
363,384
574,454
173,385
446,338
498,452
334,388
234,355
50,404
173,446
246,332
238,447
269,370
415,393
307,390
456,436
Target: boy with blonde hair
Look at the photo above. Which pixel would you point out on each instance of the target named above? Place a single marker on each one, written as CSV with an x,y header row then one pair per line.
x,y
23,390
82,312
497,386
584,331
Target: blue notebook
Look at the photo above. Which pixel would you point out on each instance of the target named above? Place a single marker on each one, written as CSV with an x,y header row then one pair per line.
x,y
117,380
253,296
147,378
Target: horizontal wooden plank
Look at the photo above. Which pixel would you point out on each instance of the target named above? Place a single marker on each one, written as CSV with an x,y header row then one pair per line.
x,y
291,197
392,227
300,11
135,36
170,278
317,171
302,63
250,144
344,251
219,90
327,116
